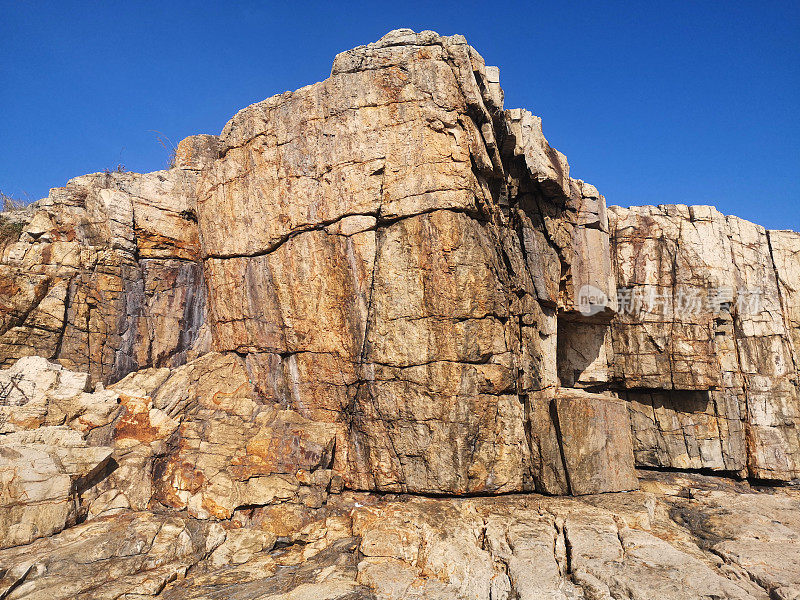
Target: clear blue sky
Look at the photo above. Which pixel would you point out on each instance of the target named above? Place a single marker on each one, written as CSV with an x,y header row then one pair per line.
x,y
653,102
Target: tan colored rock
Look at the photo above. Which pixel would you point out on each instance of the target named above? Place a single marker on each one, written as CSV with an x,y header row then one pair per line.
x,y
584,355
42,475
329,575
698,537
754,534
240,545
535,547
785,249
751,533
708,315
12,222
379,284
390,250
197,152
362,248
684,430
36,393
199,438
595,435
104,277
581,442
394,253
133,556
549,165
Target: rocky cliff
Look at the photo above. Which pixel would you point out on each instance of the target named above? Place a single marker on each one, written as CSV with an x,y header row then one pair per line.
x,y
276,369
711,369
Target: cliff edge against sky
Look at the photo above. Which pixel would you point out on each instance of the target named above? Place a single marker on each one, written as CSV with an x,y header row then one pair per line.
x,y
277,369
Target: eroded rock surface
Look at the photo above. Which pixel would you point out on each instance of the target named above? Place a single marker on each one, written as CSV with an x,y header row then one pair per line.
x,y
708,343
687,537
105,277
42,474
405,247
358,346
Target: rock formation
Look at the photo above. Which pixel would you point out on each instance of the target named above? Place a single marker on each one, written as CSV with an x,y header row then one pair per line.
x,y
712,368
225,379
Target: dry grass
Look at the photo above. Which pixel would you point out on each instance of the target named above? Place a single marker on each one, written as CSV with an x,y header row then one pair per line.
x,y
9,203
168,145
9,230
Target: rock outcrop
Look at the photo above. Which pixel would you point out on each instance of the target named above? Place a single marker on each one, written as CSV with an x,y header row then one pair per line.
x,y
708,344
688,537
106,276
357,345
392,253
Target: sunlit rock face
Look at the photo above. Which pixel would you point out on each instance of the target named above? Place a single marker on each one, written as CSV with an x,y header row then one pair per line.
x,y
711,367
224,379
106,276
392,251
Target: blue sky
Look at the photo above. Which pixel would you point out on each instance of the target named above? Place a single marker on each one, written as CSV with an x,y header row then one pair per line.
x,y
653,102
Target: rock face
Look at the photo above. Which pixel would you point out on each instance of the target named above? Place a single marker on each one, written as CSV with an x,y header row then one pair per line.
x,y
392,253
42,473
106,276
223,379
406,247
708,344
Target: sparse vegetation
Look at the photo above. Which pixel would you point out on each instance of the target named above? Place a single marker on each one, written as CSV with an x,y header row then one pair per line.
x,y
10,230
9,203
168,145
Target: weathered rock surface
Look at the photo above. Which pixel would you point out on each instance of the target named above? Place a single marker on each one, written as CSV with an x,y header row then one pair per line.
x,y
708,346
391,251
225,379
594,435
127,556
687,537
405,246
36,393
105,277
42,474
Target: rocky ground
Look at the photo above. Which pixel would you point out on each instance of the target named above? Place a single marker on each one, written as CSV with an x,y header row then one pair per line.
x,y
683,536
178,485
